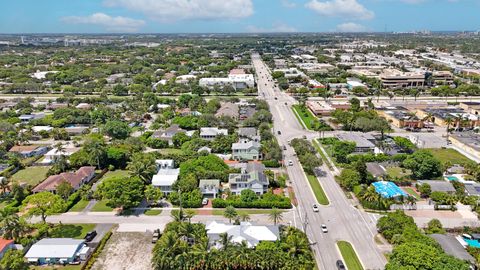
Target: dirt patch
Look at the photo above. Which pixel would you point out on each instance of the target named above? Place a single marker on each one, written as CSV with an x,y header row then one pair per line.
x,y
126,250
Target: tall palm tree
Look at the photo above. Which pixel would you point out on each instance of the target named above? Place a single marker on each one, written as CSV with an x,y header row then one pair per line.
x,y
230,213
275,215
177,215
13,227
60,148
225,240
244,216
449,121
297,245
189,214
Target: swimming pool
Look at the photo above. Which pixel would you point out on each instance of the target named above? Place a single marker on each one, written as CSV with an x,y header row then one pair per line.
x,y
452,178
472,242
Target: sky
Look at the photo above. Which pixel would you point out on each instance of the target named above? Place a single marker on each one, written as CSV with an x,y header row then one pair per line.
x,y
236,16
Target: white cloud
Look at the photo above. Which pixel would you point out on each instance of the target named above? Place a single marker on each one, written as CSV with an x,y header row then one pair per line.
x,y
114,24
173,10
276,28
288,4
340,8
351,27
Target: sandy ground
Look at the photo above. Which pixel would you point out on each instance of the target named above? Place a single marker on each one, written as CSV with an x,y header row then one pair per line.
x,y
126,250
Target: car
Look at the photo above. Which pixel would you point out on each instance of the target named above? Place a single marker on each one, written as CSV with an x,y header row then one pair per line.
x,y
276,98
90,236
286,104
155,236
315,208
324,228
284,147
279,132
290,163
340,265
204,201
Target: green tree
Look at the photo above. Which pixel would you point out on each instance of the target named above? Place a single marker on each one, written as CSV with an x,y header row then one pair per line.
x,y
423,165
248,195
123,192
43,204
230,213
153,194
14,260
349,178
64,189
434,226
394,223
275,215
142,165
116,129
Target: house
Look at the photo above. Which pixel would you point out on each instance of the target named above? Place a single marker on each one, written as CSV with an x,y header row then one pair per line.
x,y
84,106
377,170
210,133
472,189
25,118
53,155
454,246
439,185
57,251
209,187
251,234
249,133
76,180
246,150
76,130
166,176
5,245
168,133
228,109
26,151
256,181
363,141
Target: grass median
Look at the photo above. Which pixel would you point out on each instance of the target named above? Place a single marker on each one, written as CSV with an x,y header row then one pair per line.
x,y
349,256
317,190
324,157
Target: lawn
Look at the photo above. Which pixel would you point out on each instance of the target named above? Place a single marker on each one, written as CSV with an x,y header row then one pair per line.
x,y
349,256
398,172
101,206
317,190
57,267
305,115
412,192
170,151
77,231
79,206
116,173
31,175
153,212
449,155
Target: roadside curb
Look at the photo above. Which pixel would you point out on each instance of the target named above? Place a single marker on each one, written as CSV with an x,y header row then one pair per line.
x,y
354,249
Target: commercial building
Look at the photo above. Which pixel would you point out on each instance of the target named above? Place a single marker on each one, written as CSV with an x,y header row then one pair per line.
x,y
75,179
57,251
400,117
252,235
467,141
364,142
291,72
442,77
459,117
237,78
323,108
392,78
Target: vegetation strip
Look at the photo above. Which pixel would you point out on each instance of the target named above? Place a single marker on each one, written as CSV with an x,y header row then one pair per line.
x,y
349,256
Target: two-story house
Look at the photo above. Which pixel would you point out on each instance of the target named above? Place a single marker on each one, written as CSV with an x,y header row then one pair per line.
x,y
210,133
246,150
255,180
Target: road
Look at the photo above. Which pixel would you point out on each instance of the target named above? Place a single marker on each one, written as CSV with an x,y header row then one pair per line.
x,y
344,221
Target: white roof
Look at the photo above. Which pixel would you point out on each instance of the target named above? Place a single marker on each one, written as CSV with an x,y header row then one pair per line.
x,y
212,131
165,163
165,177
40,128
54,248
252,234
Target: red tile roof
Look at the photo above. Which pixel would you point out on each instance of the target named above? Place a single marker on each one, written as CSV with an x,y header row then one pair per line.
x,y
74,179
5,243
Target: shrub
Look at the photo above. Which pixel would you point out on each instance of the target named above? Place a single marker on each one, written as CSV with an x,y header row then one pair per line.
x,y
97,252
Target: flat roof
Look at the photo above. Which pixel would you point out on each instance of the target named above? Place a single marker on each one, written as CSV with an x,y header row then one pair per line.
x,y
452,246
362,140
439,185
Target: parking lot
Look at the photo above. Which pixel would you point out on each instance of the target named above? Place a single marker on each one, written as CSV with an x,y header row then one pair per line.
x,y
126,250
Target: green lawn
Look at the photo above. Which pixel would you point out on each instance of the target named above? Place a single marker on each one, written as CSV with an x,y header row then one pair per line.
x,y
77,231
319,150
119,173
449,155
31,175
170,151
398,172
101,206
349,256
412,192
219,212
79,206
306,116
317,190
153,212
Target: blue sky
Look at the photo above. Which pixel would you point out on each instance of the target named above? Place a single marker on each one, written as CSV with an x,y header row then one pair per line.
x,y
208,16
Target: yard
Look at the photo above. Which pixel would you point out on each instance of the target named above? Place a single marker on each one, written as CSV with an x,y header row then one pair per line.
x,y
77,231
305,115
79,206
398,172
132,251
449,155
116,173
412,192
31,175
349,256
317,190
101,206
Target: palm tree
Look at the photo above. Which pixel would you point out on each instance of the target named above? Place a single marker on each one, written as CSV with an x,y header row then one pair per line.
x,y
225,240
177,215
230,213
189,214
449,121
297,245
4,184
370,195
275,215
59,147
244,216
13,227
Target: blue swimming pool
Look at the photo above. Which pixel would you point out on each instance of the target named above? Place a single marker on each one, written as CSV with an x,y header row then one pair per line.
x,y
452,178
472,242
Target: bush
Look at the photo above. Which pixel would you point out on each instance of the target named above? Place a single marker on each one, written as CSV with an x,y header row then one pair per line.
x,y
267,201
271,163
97,251
72,200
157,143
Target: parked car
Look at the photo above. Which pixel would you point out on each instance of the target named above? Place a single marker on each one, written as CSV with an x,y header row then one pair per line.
x,y
279,132
340,265
90,236
284,147
315,208
155,236
290,163
324,228
205,201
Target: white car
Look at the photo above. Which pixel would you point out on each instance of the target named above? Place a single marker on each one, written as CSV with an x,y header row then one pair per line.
x,y
290,163
315,208
205,201
324,228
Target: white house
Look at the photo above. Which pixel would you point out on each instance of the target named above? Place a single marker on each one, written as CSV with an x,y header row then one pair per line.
x,y
210,133
166,175
52,155
57,251
251,234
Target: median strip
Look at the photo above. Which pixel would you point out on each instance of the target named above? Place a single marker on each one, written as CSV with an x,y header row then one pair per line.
x,y
349,255
317,190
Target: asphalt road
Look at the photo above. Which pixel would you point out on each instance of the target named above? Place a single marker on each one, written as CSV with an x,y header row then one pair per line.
x,y
344,221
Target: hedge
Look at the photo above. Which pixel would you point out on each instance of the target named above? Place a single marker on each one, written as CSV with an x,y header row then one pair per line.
x,y
284,203
96,253
72,200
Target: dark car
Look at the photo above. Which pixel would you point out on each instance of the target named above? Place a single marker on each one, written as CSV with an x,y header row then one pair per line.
x,y
90,236
340,265
279,133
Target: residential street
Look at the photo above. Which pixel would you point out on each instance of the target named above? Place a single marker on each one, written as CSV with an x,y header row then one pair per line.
x,y
343,220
